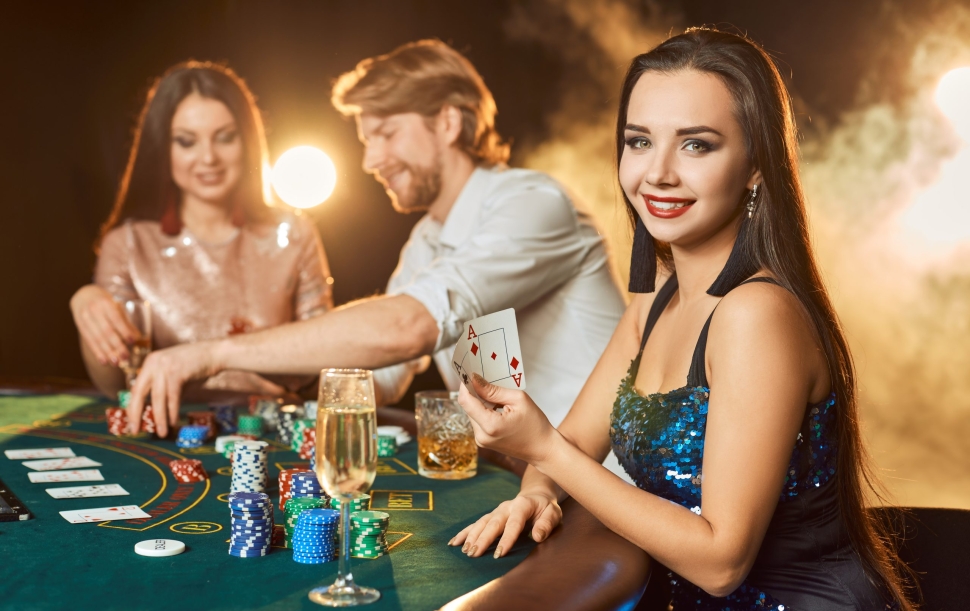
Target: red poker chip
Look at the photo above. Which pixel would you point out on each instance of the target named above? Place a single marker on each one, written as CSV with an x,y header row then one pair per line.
x,y
188,470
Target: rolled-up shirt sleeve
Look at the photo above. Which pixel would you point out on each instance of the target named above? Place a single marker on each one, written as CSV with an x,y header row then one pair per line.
x,y
523,246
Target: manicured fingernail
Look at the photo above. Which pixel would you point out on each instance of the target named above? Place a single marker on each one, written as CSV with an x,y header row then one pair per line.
x,y
464,548
451,541
472,551
498,552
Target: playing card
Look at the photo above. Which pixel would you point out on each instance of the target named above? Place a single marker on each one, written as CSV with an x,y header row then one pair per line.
x,y
80,492
56,464
490,347
39,453
53,477
102,514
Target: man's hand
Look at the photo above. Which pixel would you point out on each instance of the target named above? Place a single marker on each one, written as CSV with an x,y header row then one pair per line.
x,y
163,375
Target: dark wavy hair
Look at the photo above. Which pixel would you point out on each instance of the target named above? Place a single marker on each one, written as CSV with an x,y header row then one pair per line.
x,y
147,188
775,239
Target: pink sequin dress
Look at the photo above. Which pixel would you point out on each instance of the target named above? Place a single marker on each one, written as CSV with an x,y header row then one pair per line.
x,y
263,276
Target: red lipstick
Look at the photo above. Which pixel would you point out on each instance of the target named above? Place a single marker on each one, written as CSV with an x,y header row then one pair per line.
x,y
667,214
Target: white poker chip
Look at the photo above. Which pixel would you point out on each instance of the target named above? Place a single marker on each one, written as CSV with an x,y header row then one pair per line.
x,y
396,431
159,547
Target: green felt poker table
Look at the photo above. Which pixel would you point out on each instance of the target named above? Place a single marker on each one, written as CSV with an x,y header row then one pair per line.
x,y
48,563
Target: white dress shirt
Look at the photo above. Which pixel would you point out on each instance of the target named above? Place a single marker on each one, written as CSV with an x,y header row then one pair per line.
x,y
513,239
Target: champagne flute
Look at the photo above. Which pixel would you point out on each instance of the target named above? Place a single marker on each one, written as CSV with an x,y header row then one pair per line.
x,y
346,465
139,313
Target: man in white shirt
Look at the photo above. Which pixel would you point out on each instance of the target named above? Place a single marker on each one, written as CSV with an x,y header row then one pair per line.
x,y
492,238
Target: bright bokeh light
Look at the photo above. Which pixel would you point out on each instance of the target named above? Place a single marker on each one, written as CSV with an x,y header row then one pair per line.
x,y
953,98
940,215
304,177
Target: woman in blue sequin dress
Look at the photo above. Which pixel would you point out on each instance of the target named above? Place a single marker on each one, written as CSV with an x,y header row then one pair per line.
x,y
736,411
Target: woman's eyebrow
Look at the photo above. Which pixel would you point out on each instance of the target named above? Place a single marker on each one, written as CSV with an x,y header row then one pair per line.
x,y
636,128
698,129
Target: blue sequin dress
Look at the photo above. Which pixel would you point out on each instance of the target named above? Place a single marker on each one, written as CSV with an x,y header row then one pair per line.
x,y
806,562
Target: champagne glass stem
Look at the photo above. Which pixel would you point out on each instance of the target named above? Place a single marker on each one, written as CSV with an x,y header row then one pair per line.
x,y
344,577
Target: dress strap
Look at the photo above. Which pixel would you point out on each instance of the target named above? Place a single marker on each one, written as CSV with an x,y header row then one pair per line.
x,y
697,376
664,295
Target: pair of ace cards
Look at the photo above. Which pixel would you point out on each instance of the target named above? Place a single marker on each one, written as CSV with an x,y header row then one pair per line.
x,y
490,347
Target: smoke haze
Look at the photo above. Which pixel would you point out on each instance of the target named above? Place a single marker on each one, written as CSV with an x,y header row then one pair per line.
x,y
890,214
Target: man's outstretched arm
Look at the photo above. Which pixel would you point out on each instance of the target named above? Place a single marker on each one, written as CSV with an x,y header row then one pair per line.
x,y
368,334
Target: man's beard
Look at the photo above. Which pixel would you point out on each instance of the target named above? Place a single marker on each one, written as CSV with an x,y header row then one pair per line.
x,y
422,192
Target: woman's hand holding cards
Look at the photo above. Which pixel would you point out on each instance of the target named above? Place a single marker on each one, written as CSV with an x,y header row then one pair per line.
x,y
516,427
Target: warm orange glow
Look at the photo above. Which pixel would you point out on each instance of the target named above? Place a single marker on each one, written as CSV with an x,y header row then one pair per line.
x,y
953,98
940,214
304,177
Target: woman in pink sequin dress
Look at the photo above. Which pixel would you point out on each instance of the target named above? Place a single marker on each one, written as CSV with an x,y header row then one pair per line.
x,y
192,232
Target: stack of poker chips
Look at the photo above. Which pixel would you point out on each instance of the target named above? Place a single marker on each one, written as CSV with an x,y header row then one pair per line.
x,y
309,444
250,470
299,427
229,447
288,415
252,524
294,507
225,415
250,425
188,470
117,417
222,442
192,436
359,503
286,485
117,421
314,539
368,530
386,445
305,483
267,408
310,409
206,419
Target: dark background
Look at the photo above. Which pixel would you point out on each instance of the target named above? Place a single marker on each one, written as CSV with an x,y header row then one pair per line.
x,y
74,76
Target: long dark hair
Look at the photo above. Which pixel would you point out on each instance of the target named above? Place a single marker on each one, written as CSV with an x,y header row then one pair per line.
x,y
775,239
147,190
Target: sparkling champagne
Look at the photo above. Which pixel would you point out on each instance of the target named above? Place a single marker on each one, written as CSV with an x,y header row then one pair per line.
x,y
346,448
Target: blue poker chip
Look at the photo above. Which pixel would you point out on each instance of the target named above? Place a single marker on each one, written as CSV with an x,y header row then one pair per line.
x,y
320,516
249,544
303,536
314,549
313,560
252,517
258,498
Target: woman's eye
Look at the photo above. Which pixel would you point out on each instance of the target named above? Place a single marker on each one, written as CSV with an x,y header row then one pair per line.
x,y
184,142
637,143
227,137
697,146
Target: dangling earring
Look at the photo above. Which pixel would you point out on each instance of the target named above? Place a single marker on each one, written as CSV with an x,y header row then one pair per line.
x,y
741,263
170,221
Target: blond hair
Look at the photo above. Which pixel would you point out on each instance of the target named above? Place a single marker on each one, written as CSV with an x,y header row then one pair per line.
x,y
423,77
